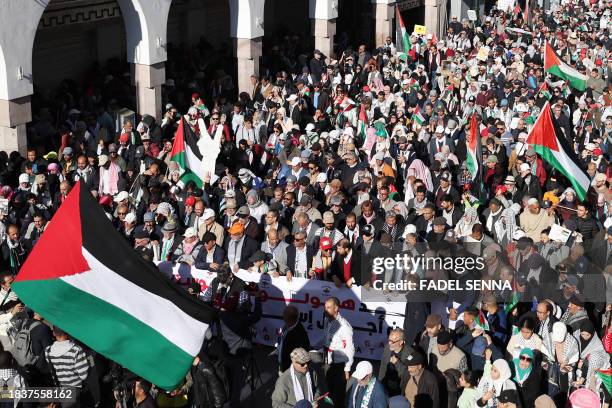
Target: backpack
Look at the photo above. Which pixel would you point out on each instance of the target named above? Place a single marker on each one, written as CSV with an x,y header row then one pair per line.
x,y
22,345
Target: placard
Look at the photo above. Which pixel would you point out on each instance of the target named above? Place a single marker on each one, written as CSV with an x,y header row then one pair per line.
x,y
420,29
559,233
472,15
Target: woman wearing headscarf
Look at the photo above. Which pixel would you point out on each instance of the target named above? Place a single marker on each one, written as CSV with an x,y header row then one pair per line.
x,y
506,224
567,203
496,378
560,360
593,356
527,377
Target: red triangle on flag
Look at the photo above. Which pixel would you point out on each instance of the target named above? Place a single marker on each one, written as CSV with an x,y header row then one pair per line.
x,y
543,131
59,251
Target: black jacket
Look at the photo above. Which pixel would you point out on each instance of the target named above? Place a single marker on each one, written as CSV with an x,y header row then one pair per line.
x,y
357,272
208,389
428,392
310,253
218,257
295,338
249,247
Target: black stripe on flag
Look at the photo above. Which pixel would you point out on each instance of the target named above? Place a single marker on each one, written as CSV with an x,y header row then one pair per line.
x,y
191,140
108,246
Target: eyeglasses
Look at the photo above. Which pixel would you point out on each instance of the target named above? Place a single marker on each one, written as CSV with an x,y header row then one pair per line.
x,y
525,358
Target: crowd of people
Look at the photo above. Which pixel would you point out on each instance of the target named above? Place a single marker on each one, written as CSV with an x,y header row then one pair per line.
x,y
330,162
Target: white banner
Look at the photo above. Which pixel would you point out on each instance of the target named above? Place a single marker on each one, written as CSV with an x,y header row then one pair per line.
x,y
371,321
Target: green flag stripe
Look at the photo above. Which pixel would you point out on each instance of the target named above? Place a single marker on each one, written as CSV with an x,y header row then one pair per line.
x,y
115,333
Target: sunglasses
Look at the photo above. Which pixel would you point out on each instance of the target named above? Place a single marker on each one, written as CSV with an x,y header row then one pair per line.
x,y
525,358
122,213
215,118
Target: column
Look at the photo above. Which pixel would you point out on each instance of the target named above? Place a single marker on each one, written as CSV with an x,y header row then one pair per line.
x,y
247,30
247,52
14,115
19,21
432,16
323,14
383,15
148,80
146,23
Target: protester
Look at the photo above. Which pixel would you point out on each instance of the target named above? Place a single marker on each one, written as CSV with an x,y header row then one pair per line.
x,y
436,151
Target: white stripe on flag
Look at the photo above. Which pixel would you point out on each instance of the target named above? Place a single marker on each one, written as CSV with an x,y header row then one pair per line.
x,y
154,311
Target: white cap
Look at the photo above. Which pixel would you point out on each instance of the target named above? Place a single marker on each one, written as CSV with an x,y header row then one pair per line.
x,y
410,229
525,167
296,161
130,218
310,127
321,178
363,369
518,234
440,129
24,178
532,201
192,111
122,195
559,331
348,131
208,213
292,97
190,232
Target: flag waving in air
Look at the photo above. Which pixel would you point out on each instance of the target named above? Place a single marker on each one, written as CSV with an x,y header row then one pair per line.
x,y
555,66
196,156
85,278
402,39
548,141
474,149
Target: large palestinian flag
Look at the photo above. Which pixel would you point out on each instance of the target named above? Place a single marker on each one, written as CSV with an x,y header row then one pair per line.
x,y
402,39
85,278
186,152
555,66
548,141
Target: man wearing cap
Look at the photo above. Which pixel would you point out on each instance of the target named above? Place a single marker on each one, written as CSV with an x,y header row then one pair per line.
x,y
328,229
68,164
446,356
211,225
251,228
534,220
170,241
438,142
239,247
422,386
536,165
438,232
149,227
297,383
188,249
366,391
527,184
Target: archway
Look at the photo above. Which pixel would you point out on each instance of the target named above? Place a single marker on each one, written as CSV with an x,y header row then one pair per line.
x,y
199,48
287,34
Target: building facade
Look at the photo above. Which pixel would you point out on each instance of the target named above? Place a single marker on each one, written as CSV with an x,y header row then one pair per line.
x,y
43,42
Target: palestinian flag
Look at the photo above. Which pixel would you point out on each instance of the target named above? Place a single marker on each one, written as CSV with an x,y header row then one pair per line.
x,y
186,152
606,378
544,91
514,300
529,118
85,278
363,123
474,149
555,66
481,321
402,39
417,116
549,142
